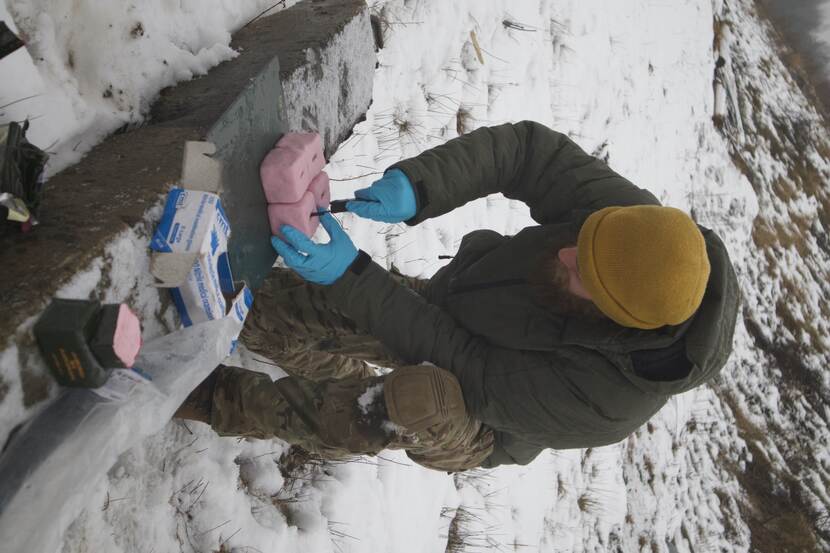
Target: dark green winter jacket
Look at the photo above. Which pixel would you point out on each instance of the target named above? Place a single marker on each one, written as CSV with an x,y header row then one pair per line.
x,y
539,379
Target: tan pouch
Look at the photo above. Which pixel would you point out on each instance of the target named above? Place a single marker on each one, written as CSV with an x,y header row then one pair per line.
x,y
422,396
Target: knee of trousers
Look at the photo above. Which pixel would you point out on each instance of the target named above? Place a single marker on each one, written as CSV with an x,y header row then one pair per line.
x,y
418,397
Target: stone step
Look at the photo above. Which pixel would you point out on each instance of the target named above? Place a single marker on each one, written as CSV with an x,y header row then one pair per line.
x,y
309,68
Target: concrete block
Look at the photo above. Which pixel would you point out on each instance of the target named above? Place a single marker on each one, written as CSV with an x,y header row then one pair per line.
x,y
320,52
326,93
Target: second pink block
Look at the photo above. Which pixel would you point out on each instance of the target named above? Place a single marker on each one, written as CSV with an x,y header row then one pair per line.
x,y
288,169
297,214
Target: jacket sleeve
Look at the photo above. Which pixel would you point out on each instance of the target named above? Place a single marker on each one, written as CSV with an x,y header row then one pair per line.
x,y
519,393
403,321
525,161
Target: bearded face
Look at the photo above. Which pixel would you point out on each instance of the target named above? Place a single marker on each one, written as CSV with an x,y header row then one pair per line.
x,y
550,283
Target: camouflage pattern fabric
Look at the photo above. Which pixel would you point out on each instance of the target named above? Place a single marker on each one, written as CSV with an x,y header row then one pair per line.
x,y
291,323
322,417
333,402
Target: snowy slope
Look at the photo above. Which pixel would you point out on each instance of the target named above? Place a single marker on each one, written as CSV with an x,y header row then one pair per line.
x,y
632,82
781,392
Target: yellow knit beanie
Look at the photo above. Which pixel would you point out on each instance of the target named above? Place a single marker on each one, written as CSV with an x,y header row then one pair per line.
x,y
645,266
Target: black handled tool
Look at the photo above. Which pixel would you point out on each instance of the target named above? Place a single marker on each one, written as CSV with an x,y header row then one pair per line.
x,y
338,206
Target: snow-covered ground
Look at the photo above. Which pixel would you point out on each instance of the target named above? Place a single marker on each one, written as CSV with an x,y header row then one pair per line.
x,y
98,66
631,82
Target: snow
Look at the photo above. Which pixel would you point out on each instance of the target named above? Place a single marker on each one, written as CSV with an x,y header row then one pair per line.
x,y
90,68
369,397
91,439
126,266
631,82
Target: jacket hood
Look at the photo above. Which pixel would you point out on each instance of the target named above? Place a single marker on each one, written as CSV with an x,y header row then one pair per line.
x,y
491,296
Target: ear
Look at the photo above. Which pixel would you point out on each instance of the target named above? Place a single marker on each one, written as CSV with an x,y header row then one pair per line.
x,y
568,257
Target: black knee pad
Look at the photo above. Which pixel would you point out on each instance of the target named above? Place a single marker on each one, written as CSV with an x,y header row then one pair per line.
x,y
422,396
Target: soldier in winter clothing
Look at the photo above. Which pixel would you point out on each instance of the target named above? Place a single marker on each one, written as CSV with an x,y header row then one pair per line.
x,y
570,334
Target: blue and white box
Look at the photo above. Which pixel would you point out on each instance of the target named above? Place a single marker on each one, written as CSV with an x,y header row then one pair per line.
x,y
192,260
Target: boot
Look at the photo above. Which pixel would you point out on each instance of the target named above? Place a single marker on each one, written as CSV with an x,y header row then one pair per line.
x,y
199,404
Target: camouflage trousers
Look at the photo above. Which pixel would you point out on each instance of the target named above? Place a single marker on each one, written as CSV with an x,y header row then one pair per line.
x,y
333,402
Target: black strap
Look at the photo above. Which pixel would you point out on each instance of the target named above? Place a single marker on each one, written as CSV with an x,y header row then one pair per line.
x,y
360,263
662,365
8,41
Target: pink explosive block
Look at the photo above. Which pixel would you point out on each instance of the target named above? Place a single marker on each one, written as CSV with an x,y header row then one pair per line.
x,y
297,214
126,340
289,168
321,190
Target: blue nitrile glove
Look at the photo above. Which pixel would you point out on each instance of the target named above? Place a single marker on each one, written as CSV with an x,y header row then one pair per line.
x,y
318,263
390,199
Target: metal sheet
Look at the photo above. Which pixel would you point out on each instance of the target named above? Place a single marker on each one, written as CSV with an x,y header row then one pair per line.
x,y
247,130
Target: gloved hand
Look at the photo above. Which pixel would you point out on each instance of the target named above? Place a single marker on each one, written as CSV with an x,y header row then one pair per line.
x,y
391,199
318,263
